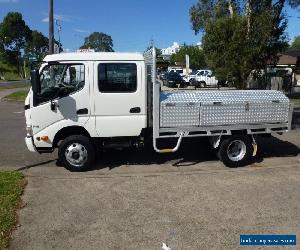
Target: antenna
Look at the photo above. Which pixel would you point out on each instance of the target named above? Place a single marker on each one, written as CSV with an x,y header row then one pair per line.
x,y
58,25
151,42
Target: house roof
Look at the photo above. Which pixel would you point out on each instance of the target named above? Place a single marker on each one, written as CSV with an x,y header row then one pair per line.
x,y
295,53
284,59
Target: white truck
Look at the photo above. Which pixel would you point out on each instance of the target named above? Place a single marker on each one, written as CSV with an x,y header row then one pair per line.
x,y
83,102
201,78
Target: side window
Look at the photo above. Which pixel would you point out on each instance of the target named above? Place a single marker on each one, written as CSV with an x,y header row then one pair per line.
x,y
117,77
58,80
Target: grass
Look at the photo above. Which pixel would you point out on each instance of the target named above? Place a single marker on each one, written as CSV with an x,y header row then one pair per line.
x,y
13,86
11,188
19,95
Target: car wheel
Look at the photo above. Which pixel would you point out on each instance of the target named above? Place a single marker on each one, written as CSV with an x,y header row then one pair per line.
x,y
77,153
202,84
236,150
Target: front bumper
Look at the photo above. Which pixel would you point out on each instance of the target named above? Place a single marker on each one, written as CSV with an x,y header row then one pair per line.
x,y
30,144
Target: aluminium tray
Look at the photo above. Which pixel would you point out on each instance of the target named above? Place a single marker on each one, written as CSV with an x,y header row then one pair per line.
x,y
207,108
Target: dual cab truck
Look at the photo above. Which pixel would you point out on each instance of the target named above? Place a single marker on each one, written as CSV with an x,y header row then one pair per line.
x,y
83,102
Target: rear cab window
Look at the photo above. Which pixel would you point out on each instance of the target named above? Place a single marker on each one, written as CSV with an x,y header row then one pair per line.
x,y
117,77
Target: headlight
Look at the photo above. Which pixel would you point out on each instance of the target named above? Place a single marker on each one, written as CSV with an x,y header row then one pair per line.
x,y
28,131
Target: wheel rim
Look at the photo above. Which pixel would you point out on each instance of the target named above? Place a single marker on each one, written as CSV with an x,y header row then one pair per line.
x,y
236,150
76,154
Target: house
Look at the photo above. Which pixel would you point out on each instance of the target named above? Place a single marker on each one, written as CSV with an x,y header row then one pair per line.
x,y
167,52
286,71
283,75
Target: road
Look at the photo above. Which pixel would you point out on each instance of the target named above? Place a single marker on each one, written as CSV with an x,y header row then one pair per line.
x,y
138,199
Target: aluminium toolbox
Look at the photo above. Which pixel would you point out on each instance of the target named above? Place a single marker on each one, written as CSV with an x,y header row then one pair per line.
x,y
217,108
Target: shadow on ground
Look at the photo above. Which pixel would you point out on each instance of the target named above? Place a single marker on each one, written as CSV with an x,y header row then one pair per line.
x,y
191,153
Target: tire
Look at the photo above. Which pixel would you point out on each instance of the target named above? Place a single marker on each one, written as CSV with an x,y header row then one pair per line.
x,y
236,151
77,153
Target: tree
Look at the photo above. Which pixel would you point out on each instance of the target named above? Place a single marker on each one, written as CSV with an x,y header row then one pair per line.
x,y
37,46
240,36
15,34
296,44
98,41
226,49
196,55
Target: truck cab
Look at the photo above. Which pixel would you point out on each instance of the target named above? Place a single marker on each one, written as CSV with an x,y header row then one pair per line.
x,y
91,94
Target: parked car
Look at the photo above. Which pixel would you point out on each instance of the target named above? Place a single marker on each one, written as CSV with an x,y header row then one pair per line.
x,y
202,78
163,76
173,79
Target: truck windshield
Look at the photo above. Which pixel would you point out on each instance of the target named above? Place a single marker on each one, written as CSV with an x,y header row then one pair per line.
x,y
60,80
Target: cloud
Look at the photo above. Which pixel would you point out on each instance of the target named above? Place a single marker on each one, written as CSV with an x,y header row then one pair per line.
x,y
9,1
57,17
60,17
81,31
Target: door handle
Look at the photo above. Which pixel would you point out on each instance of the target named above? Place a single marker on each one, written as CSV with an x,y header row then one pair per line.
x,y
135,110
84,111
54,105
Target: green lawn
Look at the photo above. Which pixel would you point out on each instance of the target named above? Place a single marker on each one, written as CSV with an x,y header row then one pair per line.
x,y
14,86
11,188
19,95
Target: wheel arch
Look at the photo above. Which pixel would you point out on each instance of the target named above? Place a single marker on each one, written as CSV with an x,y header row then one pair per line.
x,y
68,131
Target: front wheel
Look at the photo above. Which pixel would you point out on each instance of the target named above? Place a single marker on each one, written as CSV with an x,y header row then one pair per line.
x,y
77,153
236,150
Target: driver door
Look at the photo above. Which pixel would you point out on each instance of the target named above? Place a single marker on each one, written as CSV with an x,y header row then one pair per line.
x,y
65,88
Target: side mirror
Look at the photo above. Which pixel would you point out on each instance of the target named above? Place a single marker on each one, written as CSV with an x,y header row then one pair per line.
x,y
35,81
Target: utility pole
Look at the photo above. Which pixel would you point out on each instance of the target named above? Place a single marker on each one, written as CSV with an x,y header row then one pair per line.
x,y
51,28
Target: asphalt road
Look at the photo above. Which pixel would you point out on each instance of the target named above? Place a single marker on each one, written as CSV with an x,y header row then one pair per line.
x,y
138,199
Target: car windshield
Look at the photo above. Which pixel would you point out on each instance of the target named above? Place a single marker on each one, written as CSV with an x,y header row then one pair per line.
x,y
174,76
201,73
194,72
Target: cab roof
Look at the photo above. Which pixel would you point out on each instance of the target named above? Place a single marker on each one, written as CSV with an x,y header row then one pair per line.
x,y
95,56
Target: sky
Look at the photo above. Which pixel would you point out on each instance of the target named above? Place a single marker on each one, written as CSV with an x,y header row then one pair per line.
x,y
131,23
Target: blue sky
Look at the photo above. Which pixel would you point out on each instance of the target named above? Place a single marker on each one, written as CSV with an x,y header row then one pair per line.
x,y
131,23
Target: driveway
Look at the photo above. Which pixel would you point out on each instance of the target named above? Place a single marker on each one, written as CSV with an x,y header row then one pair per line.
x,y
138,199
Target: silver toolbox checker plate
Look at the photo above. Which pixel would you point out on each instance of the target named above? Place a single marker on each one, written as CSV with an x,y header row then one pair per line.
x,y
179,109
206,108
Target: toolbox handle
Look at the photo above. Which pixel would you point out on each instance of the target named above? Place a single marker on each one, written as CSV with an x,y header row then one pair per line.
x,y
217,103
169,104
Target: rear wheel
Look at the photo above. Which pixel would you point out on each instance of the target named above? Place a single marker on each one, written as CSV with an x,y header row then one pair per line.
x,y
77,153
236,150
